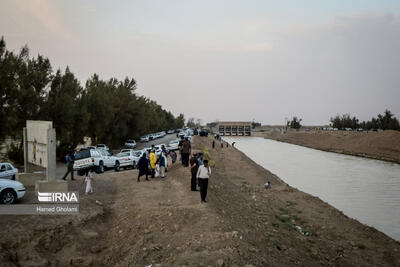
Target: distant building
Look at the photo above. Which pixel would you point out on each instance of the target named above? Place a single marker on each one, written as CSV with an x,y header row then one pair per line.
x,y
234,128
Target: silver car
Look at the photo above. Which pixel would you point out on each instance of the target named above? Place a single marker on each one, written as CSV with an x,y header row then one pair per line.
x,y
7,171
130,143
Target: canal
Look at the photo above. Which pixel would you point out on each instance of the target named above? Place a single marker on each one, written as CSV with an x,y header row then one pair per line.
x,y
365,189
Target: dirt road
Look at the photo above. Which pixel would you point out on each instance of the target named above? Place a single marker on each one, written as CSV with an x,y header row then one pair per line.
x,y
163,223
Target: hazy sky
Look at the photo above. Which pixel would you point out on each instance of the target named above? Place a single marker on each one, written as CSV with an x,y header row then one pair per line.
x,y
226,60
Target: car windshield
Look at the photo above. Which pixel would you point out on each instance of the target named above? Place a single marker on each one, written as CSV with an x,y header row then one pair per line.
x,y
82,154
137,153
104,153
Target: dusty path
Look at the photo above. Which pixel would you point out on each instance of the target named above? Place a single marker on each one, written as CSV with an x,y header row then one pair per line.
x,y
161,222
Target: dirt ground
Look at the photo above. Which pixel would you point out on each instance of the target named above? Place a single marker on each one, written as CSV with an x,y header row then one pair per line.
x,y
163,223
383,145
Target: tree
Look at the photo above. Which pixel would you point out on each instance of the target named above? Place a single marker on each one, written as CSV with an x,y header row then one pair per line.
x,y
190,123
255,124
344,121
179,121
295,123
66,106
108,111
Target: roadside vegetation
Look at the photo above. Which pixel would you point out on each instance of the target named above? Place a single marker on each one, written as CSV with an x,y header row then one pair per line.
x,y
108,111
387,121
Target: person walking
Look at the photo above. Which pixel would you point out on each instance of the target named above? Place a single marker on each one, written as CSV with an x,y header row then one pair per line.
x,y
200,158
203,175
186,149
153,160
143,166
70,165
163,164
194,167
173,156
180,148
88,181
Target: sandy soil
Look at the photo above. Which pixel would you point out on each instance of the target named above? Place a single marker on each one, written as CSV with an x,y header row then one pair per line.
x,y
383,145
163,223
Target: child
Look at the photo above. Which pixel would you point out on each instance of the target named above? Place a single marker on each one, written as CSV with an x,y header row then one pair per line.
x,y
88,181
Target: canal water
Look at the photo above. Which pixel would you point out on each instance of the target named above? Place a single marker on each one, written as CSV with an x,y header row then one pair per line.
x,y
365,189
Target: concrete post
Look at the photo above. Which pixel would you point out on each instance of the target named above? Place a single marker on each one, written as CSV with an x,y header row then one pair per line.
x,y
25,136
51,155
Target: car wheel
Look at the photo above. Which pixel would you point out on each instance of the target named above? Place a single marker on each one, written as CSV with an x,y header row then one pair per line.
x,y
8,196
13,177
101,167
117,168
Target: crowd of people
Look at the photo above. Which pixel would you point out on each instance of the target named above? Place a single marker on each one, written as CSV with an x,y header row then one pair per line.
x,y
154,166
150,164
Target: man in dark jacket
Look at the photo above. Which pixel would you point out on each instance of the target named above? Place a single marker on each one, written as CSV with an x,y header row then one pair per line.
x,y
70,165
180,147
143,166
186,149
194,166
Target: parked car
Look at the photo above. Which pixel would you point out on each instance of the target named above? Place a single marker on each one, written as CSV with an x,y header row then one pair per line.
x,y
203,133
86,159
173,145
102,146
7,171
171,131
108,161
144,138
129,158
11,191
99,159
130,143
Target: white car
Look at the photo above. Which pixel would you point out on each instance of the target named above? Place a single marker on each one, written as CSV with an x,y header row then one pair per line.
x,y
7,171
102,146
173,145
129,158
130,143
144,138
10,191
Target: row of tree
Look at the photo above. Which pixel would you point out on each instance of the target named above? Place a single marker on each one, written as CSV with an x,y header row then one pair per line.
x,y
108,111
387,121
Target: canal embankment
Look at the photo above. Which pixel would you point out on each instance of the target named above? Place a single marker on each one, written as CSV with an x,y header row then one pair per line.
x,y
382,145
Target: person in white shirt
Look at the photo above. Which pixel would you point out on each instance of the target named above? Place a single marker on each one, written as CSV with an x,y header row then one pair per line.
x,y
203,174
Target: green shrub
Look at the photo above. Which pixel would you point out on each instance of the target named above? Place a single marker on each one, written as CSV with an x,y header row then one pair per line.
x,y
15,153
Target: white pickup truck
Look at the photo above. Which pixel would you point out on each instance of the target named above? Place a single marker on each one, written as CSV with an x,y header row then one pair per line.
x,y
95,158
